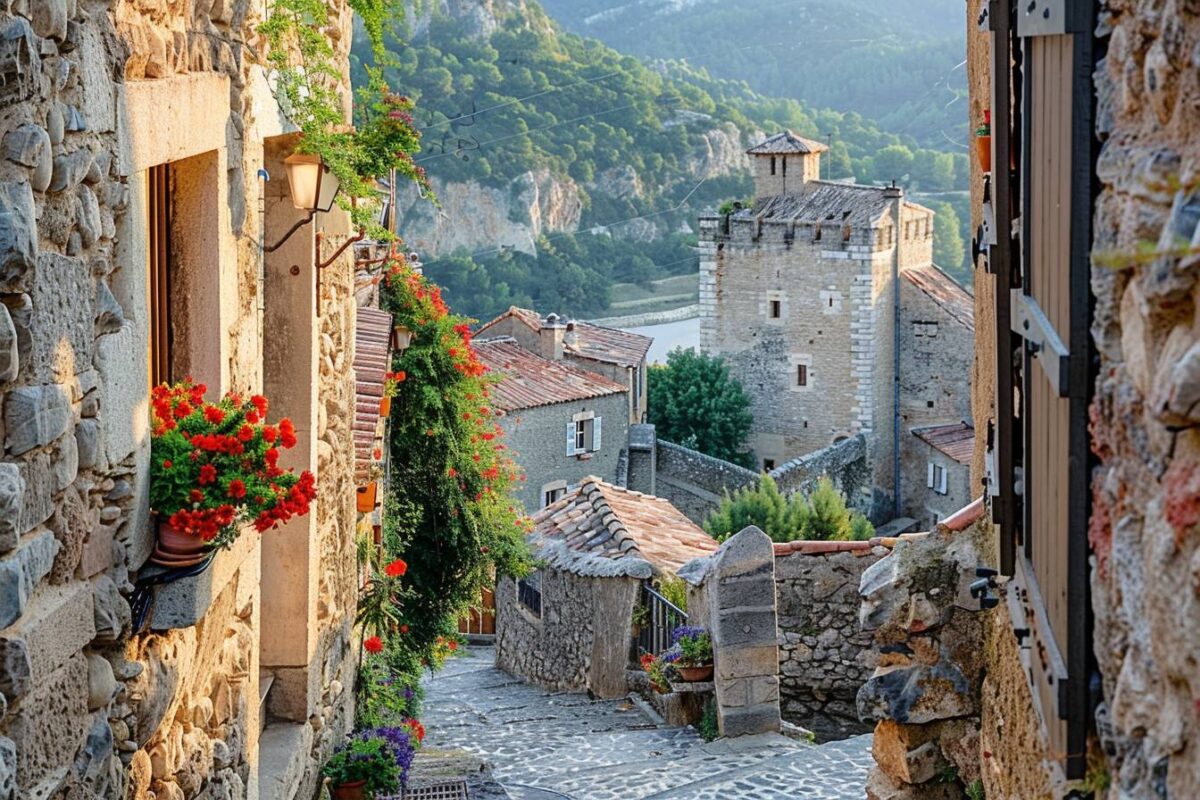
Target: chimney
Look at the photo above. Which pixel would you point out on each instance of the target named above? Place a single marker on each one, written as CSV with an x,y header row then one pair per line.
x,y
550,338
571,339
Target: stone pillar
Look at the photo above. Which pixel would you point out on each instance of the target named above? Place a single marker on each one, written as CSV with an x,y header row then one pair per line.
x,y
740,588
643,458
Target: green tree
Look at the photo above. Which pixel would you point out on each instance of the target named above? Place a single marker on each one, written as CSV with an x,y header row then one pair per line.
x,y
695,402
830,519
949,252
822,516
893,162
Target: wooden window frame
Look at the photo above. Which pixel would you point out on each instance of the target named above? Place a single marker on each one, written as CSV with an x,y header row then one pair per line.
x,y
158,267
802,375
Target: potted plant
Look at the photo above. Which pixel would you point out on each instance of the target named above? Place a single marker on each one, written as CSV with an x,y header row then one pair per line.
x,y
695,653
656,670
374,762
983,142
214,467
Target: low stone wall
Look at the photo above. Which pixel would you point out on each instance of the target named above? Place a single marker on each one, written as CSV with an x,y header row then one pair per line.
x,y
650,318
846,463
824,655
694,482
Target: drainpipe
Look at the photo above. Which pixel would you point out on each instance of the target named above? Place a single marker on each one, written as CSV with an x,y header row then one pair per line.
x,y
896,195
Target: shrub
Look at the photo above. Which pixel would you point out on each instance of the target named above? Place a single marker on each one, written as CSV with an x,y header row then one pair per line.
x,y
823,515
379,756
694,646
708,727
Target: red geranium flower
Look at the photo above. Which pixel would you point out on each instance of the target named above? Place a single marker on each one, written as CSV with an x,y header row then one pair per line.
x,y
214,415
396,568
373,645
237,489
208,474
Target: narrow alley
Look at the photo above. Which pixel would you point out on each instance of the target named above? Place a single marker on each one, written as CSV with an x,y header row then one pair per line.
x,y
545,746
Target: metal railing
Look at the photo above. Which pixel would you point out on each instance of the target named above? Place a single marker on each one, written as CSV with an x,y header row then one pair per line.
x,y
661,618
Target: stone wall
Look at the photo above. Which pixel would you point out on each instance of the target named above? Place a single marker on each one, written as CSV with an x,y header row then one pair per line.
x,y
538,440
93,95
581,640
824,655
1145,413
846,463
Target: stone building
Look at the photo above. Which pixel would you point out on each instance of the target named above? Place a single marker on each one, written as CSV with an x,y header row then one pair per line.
x,y
131,227
801,295
617,355
561,422
944,452
1087,377
569,625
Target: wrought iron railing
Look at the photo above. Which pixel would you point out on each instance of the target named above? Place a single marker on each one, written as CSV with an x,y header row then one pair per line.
x,y
660,617
529,593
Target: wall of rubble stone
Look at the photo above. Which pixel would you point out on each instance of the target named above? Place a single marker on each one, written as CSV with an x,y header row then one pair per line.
x,y
824,655
88,709
1146,411
580,641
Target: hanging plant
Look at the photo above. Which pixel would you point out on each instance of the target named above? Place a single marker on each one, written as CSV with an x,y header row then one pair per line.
x,y
310,87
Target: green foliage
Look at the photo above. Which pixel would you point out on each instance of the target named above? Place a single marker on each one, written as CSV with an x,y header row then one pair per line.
x,y
695,402
365,759
893,163
975,790
674,589
949,252
389,690
708,727
452,517
821,516
695,647
308,80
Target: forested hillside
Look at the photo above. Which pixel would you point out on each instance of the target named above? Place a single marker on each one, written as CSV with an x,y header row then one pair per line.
x,y
896,61
564,166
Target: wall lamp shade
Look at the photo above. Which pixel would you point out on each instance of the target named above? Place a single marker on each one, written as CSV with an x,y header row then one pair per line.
x,y
401,337
312,185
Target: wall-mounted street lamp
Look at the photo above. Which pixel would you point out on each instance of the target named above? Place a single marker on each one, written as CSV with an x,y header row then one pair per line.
x,y
401,338
313,188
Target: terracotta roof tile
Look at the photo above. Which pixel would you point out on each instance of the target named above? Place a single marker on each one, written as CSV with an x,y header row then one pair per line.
x,y
586,339
945,291
787,143
530,381
372,360
956,441
600,523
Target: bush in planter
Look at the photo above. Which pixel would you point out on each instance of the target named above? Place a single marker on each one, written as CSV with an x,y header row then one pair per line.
x,y
694,646
379,756
214,466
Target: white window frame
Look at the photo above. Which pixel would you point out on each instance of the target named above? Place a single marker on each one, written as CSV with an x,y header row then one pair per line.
x,y
553,492
937,478
584,434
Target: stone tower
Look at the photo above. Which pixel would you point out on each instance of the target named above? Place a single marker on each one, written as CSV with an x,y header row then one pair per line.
x,y
784,163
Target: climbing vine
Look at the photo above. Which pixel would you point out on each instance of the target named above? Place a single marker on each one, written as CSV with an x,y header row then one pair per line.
x,y
311,89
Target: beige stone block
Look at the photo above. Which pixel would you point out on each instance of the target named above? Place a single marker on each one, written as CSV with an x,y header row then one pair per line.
x,y
881,787
57,624
50,722
747,661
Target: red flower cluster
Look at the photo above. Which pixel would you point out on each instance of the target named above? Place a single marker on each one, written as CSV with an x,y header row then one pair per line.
x,y
396,569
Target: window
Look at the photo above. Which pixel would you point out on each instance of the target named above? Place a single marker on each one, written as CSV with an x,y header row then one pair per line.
x,y
583,434
529,593
158,228
937,478
802,375
776,309
772,165
553,492
768,464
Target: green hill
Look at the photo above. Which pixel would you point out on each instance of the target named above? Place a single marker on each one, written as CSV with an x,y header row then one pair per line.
x,y
530,129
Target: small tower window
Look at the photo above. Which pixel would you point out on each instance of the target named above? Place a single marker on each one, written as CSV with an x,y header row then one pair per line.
x,y
784,166
776,309
802,375
772,165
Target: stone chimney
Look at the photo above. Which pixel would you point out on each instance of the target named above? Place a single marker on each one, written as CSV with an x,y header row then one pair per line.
x,y
571,339
550,338
784,163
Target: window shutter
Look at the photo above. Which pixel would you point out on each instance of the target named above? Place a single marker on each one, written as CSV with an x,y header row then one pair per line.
x,y
596,434
942,480
570,438
929,478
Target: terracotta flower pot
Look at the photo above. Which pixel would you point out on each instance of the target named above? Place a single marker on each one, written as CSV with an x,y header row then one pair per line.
x,y
696,674
385,406
355,790
983,148
366,498
176,548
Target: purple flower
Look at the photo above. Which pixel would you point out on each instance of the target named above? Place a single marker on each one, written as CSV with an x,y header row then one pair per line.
x,y
399,742
684,631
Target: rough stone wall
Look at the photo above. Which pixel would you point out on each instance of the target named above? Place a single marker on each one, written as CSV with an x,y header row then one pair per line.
x,y
846,463
1146,410
537,438
824,655
581,640
88,709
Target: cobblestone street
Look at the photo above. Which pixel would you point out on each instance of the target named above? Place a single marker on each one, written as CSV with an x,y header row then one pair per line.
x,y
544,746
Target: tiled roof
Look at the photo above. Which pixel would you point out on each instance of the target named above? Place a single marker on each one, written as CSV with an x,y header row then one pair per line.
x,y
828,202
599,530
372,352
530,381
787,143
588,340
956,441
945,291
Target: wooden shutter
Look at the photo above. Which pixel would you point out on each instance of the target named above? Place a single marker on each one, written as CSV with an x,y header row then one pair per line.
x,y
158,241
1044,360
571,439
596,433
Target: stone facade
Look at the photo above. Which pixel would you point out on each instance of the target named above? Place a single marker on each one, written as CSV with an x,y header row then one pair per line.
x,y
824,655
581,639
537,437
95,96
799,295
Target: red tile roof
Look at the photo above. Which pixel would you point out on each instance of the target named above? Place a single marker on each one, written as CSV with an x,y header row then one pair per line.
x,y
372,360
586,339
944,291
956,441
530,381
597,526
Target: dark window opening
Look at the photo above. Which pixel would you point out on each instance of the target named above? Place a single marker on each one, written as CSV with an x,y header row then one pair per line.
x,y
802,375
772,165
158,217
768,464
529,592
776,309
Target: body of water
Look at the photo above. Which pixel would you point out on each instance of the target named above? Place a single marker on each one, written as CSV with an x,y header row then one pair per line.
x,y
670,335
